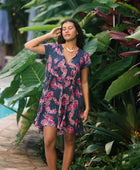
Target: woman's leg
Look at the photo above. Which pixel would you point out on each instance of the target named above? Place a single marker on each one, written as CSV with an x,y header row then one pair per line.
x,y
49,142
69,141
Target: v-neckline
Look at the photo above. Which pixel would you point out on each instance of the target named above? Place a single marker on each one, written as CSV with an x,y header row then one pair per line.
x,y
67,63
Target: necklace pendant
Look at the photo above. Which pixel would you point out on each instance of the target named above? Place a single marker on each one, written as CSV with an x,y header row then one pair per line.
x,y
69,50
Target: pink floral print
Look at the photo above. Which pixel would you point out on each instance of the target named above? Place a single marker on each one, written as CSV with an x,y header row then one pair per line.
x,y
61,104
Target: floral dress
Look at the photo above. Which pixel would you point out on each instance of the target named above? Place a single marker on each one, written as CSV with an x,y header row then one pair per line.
x,y
61,104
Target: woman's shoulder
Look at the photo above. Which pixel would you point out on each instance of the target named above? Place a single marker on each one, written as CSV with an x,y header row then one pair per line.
x,y
83,52
53,45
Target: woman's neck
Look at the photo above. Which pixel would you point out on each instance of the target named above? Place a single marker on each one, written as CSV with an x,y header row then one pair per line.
x,y
70,44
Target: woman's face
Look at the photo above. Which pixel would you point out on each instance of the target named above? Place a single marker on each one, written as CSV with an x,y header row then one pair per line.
x,y
69,31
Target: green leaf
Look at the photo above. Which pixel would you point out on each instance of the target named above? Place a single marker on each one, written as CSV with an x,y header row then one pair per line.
x,y
52,19
30,4
14,86
39,28
23,59
130,115
107,3
32,99
120,27
108,147
112,70
33,75
103,40
21,107
123,83
25,93
47,9
25,123
92,148
129,6
105,132
86,19
84,7
91,46
116,119
103,5
136,35
73,4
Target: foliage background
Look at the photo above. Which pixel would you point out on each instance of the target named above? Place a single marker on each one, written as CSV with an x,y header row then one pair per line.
x,y
17,18
112,32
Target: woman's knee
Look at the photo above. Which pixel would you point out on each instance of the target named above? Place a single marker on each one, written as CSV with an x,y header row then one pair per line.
x,y
69,139
49,144
49,137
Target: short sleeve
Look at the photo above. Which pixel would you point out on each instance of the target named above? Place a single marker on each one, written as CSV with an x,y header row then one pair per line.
x,y
48,47
86,61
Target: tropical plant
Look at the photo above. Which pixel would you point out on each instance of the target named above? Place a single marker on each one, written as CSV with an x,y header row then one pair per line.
x,y
111,73
113,79
131,158
17,19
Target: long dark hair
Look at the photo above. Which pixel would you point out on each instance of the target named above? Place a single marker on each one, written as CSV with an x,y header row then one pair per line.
x,y
80,36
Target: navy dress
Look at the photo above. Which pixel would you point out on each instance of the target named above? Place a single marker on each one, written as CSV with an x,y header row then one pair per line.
x,y
62,104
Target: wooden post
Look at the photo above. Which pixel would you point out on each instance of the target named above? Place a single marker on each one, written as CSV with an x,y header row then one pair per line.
x,y
114,19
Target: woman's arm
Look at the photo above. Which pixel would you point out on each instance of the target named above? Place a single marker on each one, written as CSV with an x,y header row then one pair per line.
x,y
85,90
35,44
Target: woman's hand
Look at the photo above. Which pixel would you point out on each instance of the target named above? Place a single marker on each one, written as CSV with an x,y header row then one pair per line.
x,y
85,115
56,32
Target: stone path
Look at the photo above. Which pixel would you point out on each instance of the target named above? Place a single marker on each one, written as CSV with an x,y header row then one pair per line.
x,y
25,156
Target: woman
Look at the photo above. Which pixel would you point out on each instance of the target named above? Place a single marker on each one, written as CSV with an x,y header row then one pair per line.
x,y
61,109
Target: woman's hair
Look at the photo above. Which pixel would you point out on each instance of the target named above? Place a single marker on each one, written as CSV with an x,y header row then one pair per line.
x,y
80,36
